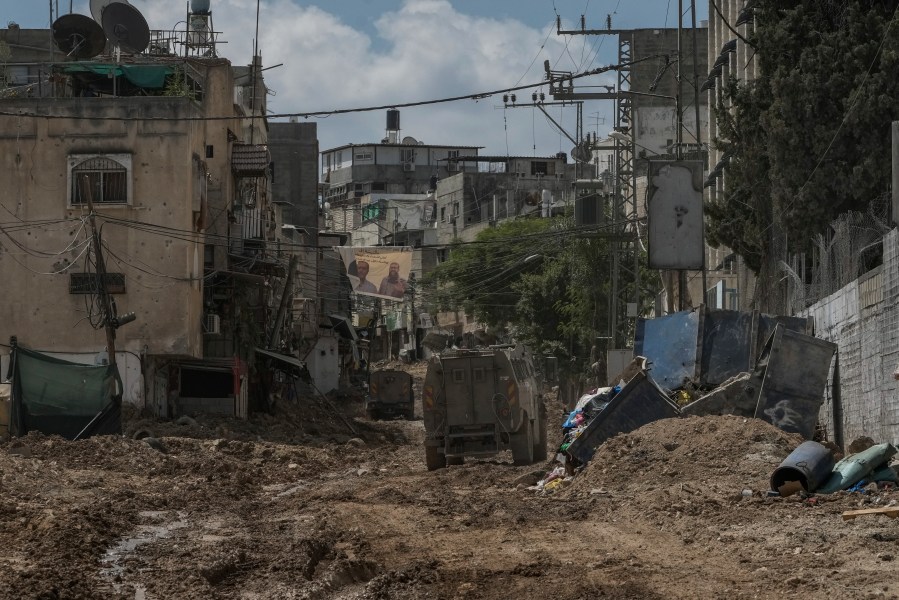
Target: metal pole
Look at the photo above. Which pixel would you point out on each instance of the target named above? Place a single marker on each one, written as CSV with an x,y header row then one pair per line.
x,y
105,303
698,133
679,136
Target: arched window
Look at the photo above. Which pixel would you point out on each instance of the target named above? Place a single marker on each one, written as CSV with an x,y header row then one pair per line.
x,y
103,179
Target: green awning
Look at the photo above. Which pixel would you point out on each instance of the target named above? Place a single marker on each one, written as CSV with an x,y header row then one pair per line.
x,y
144,76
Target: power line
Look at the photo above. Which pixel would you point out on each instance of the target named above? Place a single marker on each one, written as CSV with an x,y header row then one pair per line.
x,y
327,113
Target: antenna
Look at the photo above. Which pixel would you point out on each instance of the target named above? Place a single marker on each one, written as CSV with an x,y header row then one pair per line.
x,y
126,27
78,36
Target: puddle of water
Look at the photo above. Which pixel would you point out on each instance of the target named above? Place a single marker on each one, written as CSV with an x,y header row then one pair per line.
x,y
114,558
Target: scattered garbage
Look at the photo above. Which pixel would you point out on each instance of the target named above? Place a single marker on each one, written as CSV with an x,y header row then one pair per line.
x,y
639,402
600,415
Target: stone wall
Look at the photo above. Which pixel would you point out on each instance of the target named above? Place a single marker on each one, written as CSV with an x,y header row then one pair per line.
x,y
863,320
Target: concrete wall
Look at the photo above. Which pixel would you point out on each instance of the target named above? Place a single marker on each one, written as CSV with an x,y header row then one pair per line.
x,y
294,148
168,303
863,320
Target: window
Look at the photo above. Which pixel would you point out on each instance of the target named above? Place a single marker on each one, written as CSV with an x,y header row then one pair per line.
x,y
538,167
364,156
478,375
452,154
86,283
443,214
378,186
407,155
104,179
458,376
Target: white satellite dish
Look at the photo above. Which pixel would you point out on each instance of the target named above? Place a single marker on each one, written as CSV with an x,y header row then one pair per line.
x,y
410,140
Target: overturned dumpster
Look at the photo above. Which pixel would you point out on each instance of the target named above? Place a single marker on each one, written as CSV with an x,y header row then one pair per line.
x,y
705,347
788,383
639,402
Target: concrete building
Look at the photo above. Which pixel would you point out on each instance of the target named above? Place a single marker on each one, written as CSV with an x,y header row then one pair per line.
x,y
383,194
183,202
506,187
727,56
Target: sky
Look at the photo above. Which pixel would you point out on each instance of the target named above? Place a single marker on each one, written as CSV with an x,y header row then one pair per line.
x,y
344,54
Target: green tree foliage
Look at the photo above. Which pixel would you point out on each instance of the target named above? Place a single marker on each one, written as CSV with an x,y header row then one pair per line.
x,y
810,138
479,277
557,302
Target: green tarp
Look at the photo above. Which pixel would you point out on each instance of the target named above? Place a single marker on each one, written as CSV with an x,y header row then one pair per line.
x,y
144,76
51,395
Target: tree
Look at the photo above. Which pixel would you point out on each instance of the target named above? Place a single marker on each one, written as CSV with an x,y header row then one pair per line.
x,y
557,303
810,138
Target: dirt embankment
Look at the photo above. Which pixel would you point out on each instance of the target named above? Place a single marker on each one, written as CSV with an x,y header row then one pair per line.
x,y
316,502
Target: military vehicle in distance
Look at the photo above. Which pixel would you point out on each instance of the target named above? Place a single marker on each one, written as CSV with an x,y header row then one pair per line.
x,y
480,403
390,394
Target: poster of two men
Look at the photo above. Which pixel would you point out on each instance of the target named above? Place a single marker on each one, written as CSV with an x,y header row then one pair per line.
x,y
379,271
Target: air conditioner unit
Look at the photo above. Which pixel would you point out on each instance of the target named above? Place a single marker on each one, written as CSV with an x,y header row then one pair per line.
x,y
213,325
408,166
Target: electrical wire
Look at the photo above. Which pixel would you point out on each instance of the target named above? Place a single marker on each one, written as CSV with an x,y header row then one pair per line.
x,y
474,96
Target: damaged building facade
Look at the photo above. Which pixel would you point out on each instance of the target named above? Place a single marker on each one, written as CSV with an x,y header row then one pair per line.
x,y
169,145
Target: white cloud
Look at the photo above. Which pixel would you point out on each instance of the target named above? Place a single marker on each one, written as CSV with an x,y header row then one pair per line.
x,y
426,49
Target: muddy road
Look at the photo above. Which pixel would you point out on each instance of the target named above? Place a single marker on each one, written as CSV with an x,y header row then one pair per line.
x,y
307,504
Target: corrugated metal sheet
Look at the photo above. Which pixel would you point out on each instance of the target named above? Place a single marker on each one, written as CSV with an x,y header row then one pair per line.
x,y
250,160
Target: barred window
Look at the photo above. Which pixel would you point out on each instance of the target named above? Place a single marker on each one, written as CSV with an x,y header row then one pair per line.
x,y
102,179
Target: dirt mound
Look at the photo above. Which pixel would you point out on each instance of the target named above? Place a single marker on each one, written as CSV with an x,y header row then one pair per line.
x,y
713,453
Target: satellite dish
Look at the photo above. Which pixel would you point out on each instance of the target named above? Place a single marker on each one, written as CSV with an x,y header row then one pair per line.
x,y
581,154
78,36
126,27
97,7
410,140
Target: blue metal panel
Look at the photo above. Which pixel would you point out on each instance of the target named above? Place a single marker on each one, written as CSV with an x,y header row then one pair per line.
x,y
670,345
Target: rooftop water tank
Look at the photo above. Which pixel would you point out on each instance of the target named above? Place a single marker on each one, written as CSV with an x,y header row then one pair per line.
x,y
199,7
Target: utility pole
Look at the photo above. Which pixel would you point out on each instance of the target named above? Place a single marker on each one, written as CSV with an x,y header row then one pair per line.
x,y
624,251
698,130
100,280
111,320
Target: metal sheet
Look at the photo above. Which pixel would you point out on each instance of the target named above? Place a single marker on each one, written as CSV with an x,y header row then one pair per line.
x,y
675,215
641,401
728,346
766,324
789,380
669,343
290,360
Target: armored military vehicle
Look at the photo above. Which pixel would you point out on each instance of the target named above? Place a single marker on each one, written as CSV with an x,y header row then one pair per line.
x,y
480,403
390,394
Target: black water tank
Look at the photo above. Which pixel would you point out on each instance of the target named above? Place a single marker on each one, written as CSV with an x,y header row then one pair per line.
x,y
393,120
